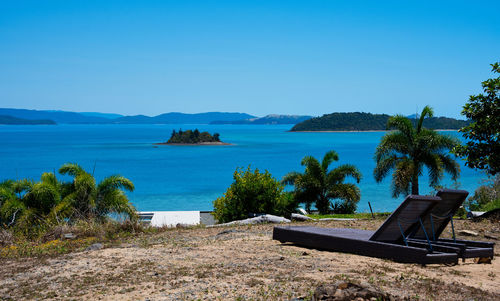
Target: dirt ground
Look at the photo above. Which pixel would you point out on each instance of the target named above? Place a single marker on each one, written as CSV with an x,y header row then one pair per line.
x,y
240,263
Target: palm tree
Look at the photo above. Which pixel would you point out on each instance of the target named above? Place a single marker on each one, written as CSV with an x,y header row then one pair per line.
x,y
96,201
319,186
27,203
409,149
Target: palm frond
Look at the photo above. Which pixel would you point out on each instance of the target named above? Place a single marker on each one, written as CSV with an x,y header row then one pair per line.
x,y
384,166
402,124
328,159
426,112
402,177
450,166
339,174
115,182
345,191
71,169
313,168
290,178
395,142
434,166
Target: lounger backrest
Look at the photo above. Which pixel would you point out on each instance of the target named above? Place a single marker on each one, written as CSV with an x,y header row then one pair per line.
x,y
451,200
406,216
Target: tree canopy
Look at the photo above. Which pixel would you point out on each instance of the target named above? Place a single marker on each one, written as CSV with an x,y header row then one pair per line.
x,y
368,122
29,204
253,192
482,149
410,148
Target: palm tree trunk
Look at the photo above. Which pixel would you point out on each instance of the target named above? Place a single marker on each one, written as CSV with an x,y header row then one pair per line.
x,y
323,205
414,184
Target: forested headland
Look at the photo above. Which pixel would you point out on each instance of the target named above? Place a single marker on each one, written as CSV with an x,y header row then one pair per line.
x,y
357,121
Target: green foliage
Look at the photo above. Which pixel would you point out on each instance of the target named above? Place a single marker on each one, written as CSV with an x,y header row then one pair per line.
x,y
192,137
35,206
319,186
368,122
486,197
482,150
409,149
253,192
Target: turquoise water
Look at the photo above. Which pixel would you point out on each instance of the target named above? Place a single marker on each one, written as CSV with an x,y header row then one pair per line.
x,y
191,177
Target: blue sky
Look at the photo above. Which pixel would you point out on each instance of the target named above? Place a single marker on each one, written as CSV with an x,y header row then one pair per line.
x,y
258,57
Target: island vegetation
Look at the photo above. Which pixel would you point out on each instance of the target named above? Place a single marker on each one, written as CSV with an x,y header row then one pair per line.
x,y
357,121
194,137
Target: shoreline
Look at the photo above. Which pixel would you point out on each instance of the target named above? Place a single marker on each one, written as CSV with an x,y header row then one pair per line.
x,y
194,144
362,131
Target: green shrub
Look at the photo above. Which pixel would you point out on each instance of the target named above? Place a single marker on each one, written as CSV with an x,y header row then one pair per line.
x,y
253,192
486,197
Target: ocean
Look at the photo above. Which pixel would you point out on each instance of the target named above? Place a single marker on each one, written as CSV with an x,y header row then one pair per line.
x,y
191,177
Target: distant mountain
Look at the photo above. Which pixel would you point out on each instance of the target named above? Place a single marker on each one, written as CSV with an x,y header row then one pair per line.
x,y
106,118
5,119
269,119
357,121
57,116
103,115
173,118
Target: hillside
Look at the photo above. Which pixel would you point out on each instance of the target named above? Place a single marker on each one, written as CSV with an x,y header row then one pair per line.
x,y
174,117
56,116
109,118
357,121
269,119
5,119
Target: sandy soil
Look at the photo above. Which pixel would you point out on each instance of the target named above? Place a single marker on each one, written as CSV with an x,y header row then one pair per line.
x,y
239,263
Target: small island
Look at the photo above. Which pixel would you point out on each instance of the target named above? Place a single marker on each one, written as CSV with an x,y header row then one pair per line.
x,y
191,137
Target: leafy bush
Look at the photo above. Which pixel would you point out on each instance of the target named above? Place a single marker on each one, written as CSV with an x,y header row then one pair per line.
x,y
253,192
486,197
33,207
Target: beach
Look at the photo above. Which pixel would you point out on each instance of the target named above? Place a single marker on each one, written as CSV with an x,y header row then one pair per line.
x,y
241,262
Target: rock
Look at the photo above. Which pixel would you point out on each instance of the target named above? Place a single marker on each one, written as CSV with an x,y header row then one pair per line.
x,y
467,233
348,291
94,247
480,260
300,217
490,235
69,236
228,231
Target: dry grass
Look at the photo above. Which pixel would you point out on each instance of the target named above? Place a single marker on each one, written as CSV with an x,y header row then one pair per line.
x,y
237,263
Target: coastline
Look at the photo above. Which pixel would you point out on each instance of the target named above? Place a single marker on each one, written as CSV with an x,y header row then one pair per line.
x,y
367,131
194,144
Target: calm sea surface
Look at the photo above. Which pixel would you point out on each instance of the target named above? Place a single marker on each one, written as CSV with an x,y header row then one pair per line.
x,y
191,177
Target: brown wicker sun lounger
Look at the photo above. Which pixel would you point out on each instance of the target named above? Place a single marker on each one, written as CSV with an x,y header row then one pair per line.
x,y
438,219
389,241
